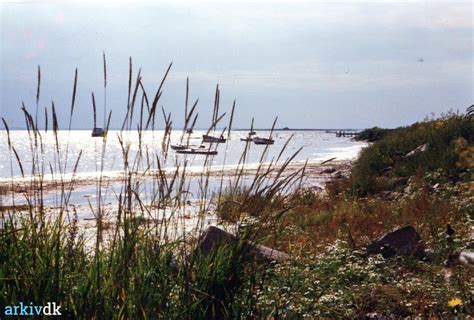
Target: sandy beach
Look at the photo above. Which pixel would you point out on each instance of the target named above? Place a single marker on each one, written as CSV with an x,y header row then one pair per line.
x,y
20,193
316,174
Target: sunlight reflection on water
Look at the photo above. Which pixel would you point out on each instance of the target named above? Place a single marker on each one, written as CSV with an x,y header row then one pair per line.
x,y
317,145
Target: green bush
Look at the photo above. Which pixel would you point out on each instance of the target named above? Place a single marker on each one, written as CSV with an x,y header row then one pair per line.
x,y
372,134
390,157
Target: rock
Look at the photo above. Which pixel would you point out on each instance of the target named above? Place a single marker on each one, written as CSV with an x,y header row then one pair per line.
x,y
328,171
269,254
463,257
389,195
466,257
388,251
213,238
421,148
405,241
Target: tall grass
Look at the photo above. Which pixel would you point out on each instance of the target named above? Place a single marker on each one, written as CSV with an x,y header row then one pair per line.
x,y
145,265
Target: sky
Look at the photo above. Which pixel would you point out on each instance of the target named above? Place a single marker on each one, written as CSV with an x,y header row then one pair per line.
x,y
312,64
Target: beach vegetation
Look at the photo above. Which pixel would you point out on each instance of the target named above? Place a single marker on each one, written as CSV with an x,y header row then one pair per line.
x,y
138,259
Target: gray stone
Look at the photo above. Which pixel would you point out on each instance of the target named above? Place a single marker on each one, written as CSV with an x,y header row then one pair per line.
x,y
328,171
405,241
418,149
463,257
466,257
212,238
269,254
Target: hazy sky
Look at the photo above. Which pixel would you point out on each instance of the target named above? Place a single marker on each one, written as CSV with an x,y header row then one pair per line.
x,y
312,64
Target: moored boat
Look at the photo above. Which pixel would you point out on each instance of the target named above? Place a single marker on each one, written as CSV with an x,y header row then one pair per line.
x,y
258,140
98,132
210,139
197,151
185,146
178,147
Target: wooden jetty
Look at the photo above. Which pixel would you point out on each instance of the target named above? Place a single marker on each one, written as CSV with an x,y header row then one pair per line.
x,y
344,133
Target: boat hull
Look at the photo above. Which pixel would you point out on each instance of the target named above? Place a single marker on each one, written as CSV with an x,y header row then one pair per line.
x,y
211,139
266,141
177,147
197,151
98,132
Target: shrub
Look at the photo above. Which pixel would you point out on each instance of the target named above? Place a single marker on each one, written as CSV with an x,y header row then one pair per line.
x,y
372,134
390,155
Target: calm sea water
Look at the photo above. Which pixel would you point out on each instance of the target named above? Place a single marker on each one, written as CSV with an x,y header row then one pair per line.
x,y
317,146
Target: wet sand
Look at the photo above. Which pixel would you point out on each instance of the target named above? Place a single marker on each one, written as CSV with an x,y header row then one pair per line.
x,y
183,220
316,173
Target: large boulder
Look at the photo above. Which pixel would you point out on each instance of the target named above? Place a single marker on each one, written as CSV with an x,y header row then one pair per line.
x,y
212,238
405,241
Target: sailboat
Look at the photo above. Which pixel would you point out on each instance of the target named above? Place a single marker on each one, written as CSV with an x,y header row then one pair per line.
x,y
100,132
97,132
208,138
184,146
258,140
211,139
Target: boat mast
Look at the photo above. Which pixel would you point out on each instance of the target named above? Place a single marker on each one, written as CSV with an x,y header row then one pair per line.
x,y
105,88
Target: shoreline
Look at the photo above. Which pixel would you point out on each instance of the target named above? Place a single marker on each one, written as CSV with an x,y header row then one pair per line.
x,y
182,221
315,171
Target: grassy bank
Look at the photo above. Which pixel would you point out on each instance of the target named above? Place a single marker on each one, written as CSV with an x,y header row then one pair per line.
x,y
389,187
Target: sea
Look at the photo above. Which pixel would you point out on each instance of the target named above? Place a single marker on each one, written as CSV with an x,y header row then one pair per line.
x,y
316,146
313,146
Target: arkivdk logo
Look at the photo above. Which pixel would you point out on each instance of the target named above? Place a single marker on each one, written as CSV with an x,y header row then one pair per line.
x,y
22,309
